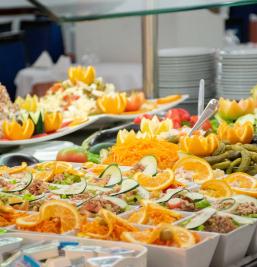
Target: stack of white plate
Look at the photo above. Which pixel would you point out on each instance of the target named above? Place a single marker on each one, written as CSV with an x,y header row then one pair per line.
x,y
237,72
180,70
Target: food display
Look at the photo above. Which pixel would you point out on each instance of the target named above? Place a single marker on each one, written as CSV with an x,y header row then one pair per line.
x,y
78,101
152,183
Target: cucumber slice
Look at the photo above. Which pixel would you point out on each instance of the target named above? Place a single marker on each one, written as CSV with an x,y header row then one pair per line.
x,y
21,185
170,193
97,188
37,119
246,118
142,192
114,172
126,186
117,201
150,165
74,189
200,218
231,207
194,196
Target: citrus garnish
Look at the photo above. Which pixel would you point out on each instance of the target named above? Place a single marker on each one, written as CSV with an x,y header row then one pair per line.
x,y
200,169
159,182
28,221
139,217
43,175
252,192
216,189
68,214
144,237
240,179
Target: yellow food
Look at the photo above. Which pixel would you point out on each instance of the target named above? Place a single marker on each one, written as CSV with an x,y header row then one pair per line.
x,y
168,99
231,110
216,189
154,127
240,179
15,131
236,133
131,152
82,74
200,169
199,145
30,103
52,121
161,181
113,103
66,212
153,214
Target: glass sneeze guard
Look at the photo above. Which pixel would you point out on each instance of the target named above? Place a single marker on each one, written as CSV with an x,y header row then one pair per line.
x,y
79,10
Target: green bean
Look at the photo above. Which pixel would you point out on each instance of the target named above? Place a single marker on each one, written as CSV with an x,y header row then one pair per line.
x,y
233,154
253,156
216,159
220,149
250,147
252,170
233,164
245,162
221,165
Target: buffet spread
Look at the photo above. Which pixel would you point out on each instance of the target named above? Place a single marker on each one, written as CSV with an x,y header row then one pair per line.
x,y
190,200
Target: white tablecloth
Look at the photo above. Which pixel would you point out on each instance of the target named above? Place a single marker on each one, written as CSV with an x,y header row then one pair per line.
x,y
125,76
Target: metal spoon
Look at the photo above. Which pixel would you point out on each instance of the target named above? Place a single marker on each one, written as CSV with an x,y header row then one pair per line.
x,y
210,109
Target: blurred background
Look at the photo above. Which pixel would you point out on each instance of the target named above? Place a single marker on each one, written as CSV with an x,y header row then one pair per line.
x,y
35,52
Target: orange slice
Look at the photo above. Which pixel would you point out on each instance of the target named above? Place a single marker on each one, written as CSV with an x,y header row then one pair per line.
x,y
139,217
159,182
168,99
245,191
43,175
200,168
57,167
145,237
17,169
183,237
68,214
240,179
28,221
78,121
216,189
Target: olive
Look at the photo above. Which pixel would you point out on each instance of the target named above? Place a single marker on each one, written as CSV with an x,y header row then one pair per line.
x,y
166,235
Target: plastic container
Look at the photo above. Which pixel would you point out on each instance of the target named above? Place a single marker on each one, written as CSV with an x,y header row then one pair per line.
x,y
139,259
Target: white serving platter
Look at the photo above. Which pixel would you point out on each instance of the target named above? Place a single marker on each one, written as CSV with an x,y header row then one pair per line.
x,y
91,120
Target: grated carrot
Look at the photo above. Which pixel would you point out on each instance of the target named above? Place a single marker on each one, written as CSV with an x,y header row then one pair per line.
x,y
129,153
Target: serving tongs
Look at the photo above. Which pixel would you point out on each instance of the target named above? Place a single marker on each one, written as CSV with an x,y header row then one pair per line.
x,y
210,109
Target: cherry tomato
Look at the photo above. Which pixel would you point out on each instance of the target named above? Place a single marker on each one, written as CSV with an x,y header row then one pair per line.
x,y
206,126
138,119
135,101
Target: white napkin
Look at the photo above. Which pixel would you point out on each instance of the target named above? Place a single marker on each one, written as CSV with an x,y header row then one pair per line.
x,y
43,61
61,67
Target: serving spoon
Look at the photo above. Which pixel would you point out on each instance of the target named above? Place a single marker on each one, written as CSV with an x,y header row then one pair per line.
x,y
210,109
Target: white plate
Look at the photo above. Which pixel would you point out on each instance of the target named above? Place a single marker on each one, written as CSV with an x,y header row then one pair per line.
x,y
185,52
91,120
124,117
60,133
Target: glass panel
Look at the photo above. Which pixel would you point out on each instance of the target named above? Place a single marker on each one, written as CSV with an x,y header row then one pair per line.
x,y
76,10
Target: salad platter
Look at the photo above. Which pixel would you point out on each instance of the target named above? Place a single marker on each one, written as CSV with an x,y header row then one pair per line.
x,y
81,100
150,188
